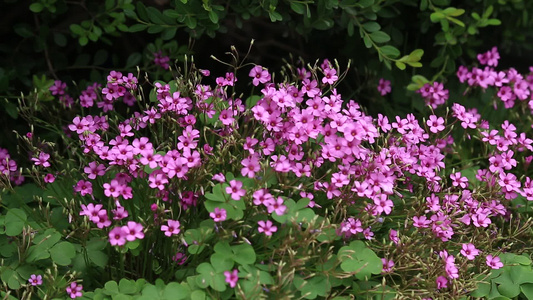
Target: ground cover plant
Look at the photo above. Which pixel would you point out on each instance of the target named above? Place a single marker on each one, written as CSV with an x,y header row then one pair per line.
x,y
151,173
183,189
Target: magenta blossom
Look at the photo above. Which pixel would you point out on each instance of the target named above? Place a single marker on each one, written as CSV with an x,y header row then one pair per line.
x,y
259,75
74,290
133,231
35,279
117,236
232,277
235,189
218,215
266,227
494,262
469,251
172,227
384,87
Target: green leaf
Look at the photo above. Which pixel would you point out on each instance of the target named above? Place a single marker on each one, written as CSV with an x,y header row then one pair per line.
x,y
36,7
83,40
527,290
15,221
367,41
169,33
190,22
371,26
23,29
454,12
359,259
423,5
198,294
390,51
130,13
380,37
141,11
77,29
213,16
456,21
223,248
11,110
127,286
436,17
62,253
60,39
494,22
133,60
155,29
483,290
137,27
488,12
176,291
400,65
365,3
298,8
155,15
111,288
414,64
244,254
221,262
416,55
323,24
217,195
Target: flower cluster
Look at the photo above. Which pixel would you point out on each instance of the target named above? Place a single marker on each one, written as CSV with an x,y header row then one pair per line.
x,y
511,86
154,175
9,168
161,60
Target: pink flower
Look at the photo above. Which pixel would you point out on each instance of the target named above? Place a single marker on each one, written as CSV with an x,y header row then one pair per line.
x,y
266,227
388,264
84,187
179,258
219,177
74,290
393,236
494,262
226,116
94,169
232,277
469,251
173,227
119,213
35,279
218,215
435,124
458,180
58,88
368,234
442,282
235,190
251,166
42,160
421,222
161,60
117,237
49,178
133,231
259,75
113,189
384,87
275,205
330,76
